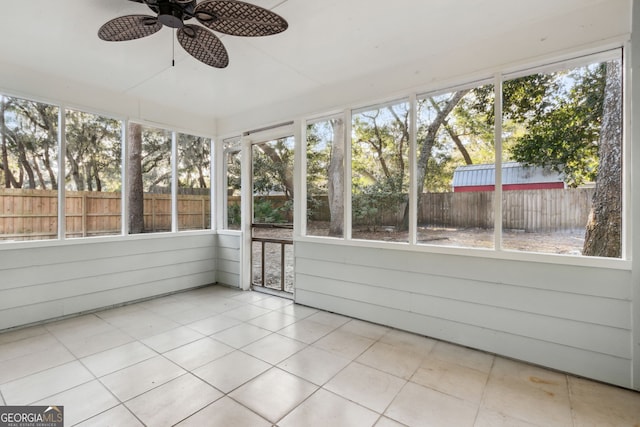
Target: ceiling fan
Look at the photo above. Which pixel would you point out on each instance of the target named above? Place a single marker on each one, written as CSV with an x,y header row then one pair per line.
x,y
231,17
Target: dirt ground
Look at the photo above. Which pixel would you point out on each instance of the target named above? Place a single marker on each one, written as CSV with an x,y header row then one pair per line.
x,y
569,243
566,242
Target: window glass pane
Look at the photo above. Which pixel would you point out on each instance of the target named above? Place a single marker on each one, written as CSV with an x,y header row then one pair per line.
x,y
380,173
28,170
325,178
93,182
233,163
273,181
149,179
562,179
194,182
456,168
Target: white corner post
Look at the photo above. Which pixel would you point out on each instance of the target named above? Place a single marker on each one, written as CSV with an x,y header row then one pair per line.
x,y
632,120
246,212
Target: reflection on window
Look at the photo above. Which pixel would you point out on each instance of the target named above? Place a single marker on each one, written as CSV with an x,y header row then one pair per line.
x,y
233,163
93,181
380,173
28,170
325,178
194,182
455,147
564,130
149,179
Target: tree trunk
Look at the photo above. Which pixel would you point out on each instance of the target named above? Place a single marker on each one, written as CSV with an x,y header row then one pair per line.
x,y
22,158
603,235
336,180
74,171
135,193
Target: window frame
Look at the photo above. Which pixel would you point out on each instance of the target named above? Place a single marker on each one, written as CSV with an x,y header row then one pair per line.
x,y
496,78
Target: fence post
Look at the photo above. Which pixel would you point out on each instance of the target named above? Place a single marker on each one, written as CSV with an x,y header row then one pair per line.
x,y
204,214
84,214
153,212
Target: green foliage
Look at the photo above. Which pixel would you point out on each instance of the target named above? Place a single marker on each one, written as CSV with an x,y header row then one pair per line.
x,y
234,220
380,165
273,167
468,123
563,134
94,152
264,212
374,202
319,143
156,160
194,161
233,173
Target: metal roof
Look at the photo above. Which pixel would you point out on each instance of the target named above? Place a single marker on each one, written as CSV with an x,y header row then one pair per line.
x,y
512,173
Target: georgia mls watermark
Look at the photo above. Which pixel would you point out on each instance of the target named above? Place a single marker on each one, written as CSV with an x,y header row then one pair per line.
x,y
31,416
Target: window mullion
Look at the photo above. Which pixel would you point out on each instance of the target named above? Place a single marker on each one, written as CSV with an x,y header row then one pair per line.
x,y
413,170
174,181
124,162
347,174
62,144
497,204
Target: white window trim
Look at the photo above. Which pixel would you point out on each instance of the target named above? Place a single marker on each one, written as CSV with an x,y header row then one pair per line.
x,y
598,55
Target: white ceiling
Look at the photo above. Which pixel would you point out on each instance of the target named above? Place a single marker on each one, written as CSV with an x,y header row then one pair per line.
x,y
335,51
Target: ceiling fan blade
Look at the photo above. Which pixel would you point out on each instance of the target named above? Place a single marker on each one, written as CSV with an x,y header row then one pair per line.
x,y
203,45
238,18
129,27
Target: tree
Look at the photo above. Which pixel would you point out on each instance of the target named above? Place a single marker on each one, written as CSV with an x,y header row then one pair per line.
x,y
562,132
194,157
273,174
335,174
380,180
604,229
576,130
135,191
93,152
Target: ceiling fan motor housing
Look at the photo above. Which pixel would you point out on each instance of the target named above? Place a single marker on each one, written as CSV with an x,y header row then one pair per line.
x,y
170,14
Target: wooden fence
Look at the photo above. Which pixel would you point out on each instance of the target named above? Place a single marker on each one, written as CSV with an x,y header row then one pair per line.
x,y
527,210
33,214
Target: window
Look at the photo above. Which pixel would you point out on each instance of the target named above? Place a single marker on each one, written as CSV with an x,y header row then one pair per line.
x,y
559,148
562,141
28,170
93,175
325,178
149,178
380,172
233,166
455,163
194,182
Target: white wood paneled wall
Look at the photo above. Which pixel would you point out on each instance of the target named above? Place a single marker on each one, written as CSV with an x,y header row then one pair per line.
x,y
228,259
54,280
575,319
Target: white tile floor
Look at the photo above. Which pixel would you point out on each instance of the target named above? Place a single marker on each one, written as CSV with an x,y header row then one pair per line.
x,y
220,357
